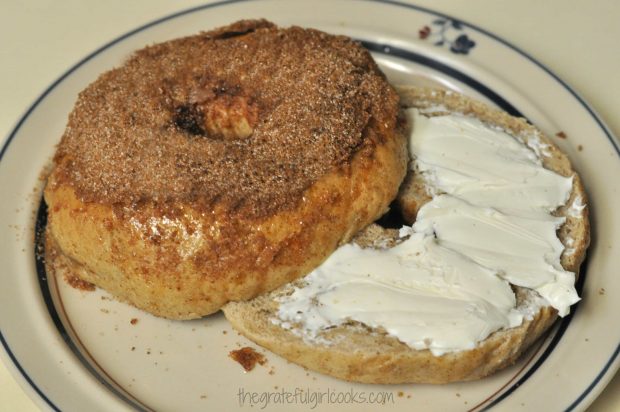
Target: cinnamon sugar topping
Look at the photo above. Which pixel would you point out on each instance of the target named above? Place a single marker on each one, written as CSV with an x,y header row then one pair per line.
x,y
248,116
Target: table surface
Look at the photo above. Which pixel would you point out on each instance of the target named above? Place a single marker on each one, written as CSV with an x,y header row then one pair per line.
x,y
576,39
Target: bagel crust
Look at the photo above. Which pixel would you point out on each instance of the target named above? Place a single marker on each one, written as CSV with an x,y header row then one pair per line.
x,y
357,353
220,166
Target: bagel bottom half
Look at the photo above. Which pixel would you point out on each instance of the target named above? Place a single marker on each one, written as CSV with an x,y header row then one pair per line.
x,y
199,261
355,352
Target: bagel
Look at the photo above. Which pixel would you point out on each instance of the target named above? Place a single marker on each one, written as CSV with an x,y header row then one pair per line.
x,y
222,165
353,350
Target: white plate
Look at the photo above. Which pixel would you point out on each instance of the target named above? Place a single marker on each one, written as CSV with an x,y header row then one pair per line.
x,y
79,350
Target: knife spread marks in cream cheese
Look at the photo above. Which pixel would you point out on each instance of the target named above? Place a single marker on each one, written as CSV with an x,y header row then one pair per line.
x,y
446,286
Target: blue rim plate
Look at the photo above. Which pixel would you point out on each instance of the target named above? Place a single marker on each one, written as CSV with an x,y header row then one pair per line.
x,y
77,350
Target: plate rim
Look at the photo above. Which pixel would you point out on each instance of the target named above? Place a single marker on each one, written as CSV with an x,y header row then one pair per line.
x,y
23,377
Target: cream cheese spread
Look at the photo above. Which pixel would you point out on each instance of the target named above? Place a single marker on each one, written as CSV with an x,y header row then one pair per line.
x,y
484,166
446,286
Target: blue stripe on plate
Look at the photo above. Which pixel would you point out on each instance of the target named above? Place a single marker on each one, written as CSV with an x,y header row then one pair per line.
x,y
403,54
596,380
445,69
40,225
25,375
552,345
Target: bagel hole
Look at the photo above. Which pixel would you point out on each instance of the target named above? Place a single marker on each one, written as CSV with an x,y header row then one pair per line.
x,y
218,110
231,34
393,219
190,120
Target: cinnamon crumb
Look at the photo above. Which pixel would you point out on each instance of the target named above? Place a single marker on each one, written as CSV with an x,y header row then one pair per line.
x,y
561,135
401,394
59,265
247,357
78,283
133,321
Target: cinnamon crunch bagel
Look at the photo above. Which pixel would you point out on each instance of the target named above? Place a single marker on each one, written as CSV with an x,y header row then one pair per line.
x,y
219,166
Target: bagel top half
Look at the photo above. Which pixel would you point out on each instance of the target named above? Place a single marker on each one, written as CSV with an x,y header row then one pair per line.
x,y
219,166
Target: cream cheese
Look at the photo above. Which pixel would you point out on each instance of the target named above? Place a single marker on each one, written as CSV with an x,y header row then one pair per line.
x,y
525,251
484,166
446,286
425,294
